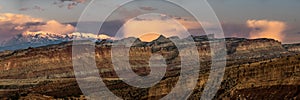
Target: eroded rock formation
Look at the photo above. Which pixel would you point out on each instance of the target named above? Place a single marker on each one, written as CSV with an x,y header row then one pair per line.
x,y
259,65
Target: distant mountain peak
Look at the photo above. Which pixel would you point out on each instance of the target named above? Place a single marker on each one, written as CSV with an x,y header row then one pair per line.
x,y
161,38
36,39
38,33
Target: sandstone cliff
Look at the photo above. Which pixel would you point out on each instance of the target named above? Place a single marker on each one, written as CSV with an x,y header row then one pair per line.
x,y
262,65
292,47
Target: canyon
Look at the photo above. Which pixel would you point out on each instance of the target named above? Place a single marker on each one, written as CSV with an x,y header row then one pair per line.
x,y
255,69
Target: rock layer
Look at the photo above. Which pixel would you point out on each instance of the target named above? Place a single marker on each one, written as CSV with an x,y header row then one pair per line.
x,y
252,65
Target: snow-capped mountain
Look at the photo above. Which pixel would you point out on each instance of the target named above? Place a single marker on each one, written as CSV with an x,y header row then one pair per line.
x,y
36,39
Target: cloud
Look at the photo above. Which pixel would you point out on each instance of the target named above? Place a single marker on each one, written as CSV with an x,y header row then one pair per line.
x,y
152,23
70,4
236,30
12,24
23,9
148,8
190,24
32,8
267,29
38,8
53,26
111,27
126,13
77,1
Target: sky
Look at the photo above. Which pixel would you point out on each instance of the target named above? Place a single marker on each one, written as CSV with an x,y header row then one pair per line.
x,y
277,19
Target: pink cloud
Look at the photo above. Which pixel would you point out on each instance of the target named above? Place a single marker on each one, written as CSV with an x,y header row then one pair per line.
x,y
18,23
267,29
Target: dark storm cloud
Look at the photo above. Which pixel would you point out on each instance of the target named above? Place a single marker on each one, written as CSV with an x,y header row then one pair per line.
x,y
236,30
109,27
229,29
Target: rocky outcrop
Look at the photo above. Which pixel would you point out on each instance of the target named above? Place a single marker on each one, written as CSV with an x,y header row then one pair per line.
x,y
56,59
252,65
292,47
240,45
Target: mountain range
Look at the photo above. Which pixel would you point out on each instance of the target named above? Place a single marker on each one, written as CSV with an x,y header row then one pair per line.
x,y
36,39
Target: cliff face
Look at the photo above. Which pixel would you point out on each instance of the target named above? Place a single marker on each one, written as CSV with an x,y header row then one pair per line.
x,y
292,47
252,65
248,46
43,62
58,58
259,44
271,78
